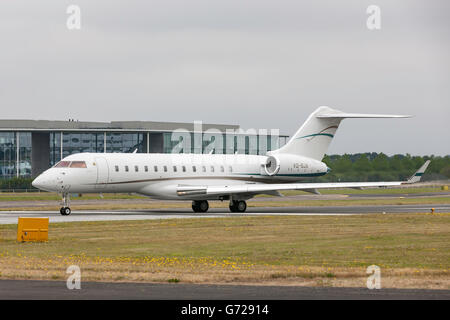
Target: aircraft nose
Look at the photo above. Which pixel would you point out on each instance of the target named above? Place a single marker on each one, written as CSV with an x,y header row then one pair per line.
x,y
42,182
36,182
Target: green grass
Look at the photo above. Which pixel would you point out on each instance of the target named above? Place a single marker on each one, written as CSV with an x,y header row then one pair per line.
x,y
378,191
407,240
257,202
350,202
41,196
412,250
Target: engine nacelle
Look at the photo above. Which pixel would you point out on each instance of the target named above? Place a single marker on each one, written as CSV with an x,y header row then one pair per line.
x,y
272,166
293,165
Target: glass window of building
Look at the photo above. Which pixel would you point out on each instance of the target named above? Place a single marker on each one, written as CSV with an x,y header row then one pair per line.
x,y
125,142
55,147
8,154
24,153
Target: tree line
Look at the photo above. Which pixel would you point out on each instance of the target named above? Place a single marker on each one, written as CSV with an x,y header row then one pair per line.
x,y
380,167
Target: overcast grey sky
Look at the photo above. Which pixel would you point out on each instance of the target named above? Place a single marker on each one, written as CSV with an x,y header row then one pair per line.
x,y
259,64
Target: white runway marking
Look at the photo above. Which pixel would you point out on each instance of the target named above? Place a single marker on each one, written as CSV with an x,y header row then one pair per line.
x,y
10,217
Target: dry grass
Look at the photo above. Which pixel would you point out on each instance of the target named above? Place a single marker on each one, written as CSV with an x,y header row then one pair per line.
x,y
210,271
412,250
216,204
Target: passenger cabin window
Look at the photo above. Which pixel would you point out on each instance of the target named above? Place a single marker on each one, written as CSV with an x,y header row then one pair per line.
x,y
230,168
146,168
174,169
194,169
165,168
117,168
212,169
222,169
184,169
204,169
136,168
62,164
155,168
126,169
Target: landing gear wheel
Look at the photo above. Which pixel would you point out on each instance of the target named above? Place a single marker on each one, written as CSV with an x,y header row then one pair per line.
x,y
238,206
200,206
65,211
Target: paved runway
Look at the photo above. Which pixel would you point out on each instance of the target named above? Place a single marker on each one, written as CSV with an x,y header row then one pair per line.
x,y
35,289
10,217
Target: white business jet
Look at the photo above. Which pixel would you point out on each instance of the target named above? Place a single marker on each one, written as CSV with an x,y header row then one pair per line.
x,y
202,177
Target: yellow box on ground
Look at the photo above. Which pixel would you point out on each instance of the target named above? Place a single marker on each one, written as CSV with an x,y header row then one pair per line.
x,y
32,229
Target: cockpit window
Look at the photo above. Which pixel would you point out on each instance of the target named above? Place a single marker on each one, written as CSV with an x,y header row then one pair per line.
x,y
62,164
78,164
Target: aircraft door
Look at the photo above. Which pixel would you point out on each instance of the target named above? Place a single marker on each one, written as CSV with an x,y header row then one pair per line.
x,y
102,172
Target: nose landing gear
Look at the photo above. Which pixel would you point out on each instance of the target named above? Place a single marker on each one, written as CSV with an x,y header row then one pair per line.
x,y
65,209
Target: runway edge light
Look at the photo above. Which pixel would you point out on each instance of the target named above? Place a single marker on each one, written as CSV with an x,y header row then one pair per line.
x,y
32,229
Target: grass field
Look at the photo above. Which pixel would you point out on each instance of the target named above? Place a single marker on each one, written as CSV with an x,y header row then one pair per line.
x,y
51,201
41,196
217,204
412,250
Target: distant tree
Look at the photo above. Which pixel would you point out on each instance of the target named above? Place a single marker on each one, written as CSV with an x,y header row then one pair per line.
x,y
378,166
445,171
381,162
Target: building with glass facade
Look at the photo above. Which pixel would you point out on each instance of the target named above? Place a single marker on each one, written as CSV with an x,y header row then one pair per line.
x,y
28,147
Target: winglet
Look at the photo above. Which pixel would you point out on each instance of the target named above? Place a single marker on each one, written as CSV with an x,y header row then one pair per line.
x,y
418,175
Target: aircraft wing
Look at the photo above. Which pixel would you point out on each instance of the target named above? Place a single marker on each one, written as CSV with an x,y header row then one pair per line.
x,y
262,188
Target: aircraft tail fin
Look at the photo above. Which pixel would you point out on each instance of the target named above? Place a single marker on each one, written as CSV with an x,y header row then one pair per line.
x,y
315,135
418,174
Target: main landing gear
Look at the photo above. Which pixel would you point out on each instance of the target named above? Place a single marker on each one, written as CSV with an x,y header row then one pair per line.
x,y
200,206
65,209
235,206
238,206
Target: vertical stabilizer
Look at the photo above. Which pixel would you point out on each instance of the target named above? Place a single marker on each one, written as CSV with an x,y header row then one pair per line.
x,y
418,175
315,135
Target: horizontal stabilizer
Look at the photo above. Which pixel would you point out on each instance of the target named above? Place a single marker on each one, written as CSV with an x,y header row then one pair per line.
x,y
342,115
